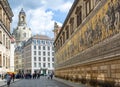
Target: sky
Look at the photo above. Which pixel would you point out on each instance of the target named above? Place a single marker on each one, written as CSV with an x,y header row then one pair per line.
x,y
41,14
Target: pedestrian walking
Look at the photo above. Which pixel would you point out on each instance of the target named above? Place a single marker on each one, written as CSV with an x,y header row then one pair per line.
x,y
8,78
13,76
2,76
51,75
48,75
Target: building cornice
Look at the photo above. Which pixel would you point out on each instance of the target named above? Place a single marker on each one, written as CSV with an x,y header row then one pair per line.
x,y
5,29
7,9
67,18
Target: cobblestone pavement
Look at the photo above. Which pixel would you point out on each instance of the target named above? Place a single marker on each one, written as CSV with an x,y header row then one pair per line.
x,y
42,82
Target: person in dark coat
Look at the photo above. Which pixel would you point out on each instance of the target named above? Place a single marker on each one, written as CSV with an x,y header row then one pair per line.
x,y
51,75
13,76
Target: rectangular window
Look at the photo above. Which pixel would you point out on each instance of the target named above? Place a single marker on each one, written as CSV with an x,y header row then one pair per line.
x,y
43,42
67,32
44,59
79,18
53,59
52,53
49,65
52,64
63,37
35,65
34,47
79,15
44,65
34,52
92,4
43,53
39,64
34,58
43,47
88,7
39,58
48,53
39,52
48,48
38,41
71,25
60,42
49,59
39,47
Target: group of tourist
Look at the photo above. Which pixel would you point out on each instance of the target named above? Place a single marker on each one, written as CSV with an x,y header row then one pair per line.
x,y
35,75
11,76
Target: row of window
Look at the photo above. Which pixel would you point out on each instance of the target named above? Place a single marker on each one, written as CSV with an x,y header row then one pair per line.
x,y
75,21
43,53
43,42
4,61
4,18
44,59
43,47
4,40
45,65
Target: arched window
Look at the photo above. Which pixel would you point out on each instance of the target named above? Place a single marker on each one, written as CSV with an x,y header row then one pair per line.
x,y
22,18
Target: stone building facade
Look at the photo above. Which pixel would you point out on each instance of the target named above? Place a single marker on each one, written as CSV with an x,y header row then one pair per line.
x,y
87,49
5,35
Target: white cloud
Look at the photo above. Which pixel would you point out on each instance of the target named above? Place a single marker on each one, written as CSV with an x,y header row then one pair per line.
x,y
60,5
40,19
65,7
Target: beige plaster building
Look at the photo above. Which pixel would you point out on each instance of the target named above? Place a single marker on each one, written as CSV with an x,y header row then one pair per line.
x,y
5,35
87,49
18,59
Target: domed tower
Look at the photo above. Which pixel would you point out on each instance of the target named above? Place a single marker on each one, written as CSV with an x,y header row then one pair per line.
x,y
22,18
22,32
